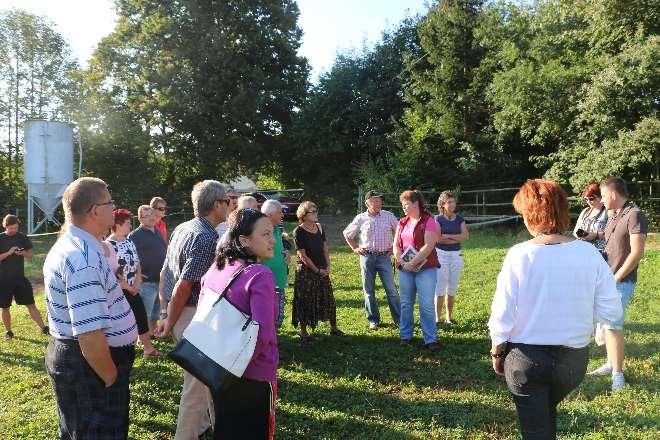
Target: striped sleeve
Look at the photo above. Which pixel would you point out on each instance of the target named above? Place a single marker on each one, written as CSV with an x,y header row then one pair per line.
x,y
87,301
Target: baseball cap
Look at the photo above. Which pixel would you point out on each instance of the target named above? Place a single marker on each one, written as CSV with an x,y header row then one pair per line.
x,y
371,194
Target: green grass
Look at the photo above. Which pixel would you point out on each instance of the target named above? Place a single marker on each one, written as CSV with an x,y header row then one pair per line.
x,y
365,386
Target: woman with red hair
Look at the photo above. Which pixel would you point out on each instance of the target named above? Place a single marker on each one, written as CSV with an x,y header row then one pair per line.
x,y
592,219
129,275
549,293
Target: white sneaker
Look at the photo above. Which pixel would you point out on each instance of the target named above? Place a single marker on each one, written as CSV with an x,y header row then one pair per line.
x,y
603,370
618,381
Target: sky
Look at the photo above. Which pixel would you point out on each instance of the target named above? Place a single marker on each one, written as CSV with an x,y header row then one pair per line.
x,y
329,26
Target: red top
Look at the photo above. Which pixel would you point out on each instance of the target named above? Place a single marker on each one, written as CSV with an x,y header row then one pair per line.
x,y
161,227
418,237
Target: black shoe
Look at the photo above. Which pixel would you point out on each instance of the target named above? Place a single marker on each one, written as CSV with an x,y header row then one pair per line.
x,y
45,330
433,346
9,335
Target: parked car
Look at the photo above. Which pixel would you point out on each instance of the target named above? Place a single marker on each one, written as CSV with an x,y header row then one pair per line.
x,y
289,198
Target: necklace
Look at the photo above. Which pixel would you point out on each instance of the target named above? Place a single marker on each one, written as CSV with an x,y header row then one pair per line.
x,y
311,230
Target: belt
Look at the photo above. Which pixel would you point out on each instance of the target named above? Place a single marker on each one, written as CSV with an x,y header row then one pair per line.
x,y
378,253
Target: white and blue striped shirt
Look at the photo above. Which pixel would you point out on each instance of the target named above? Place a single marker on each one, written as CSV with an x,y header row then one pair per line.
x,y
82,293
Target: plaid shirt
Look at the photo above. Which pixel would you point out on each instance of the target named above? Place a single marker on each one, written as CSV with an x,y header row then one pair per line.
x,y
189,255
375,233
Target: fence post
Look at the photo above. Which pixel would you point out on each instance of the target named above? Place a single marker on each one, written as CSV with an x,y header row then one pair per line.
x,y
359,198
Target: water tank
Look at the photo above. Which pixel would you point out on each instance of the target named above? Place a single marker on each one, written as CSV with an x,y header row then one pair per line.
x,y
48,162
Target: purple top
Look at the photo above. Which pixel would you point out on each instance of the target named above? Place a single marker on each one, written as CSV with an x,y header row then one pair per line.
x,y
253,293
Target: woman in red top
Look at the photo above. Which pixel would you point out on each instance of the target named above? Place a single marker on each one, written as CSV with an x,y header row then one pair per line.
x,y
417,261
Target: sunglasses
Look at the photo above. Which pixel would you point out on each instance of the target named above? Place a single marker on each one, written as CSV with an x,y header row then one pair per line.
x,y
161,209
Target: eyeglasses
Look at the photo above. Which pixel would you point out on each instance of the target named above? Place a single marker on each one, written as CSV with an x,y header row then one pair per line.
x,y
111,202
161,208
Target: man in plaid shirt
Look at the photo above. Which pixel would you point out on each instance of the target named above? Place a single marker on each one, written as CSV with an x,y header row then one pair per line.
x,y
190,254
370,235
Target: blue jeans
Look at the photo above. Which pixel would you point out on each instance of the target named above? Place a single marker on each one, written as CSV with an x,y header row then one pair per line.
x,y
626,290
149,295
421,284
371,265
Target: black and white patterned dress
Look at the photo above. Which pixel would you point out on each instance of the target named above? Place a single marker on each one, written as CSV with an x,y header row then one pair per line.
x,y
127,257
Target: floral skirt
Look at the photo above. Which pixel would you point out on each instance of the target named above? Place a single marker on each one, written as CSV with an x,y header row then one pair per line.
x,y
313,300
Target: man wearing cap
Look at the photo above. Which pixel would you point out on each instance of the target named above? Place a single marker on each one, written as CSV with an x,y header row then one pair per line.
x,y
370,235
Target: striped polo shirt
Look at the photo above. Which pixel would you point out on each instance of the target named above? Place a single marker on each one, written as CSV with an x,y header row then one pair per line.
x,y
82,293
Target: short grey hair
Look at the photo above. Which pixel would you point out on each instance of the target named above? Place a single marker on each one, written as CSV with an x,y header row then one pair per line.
x,y
246,202
81,195
204,195
271,206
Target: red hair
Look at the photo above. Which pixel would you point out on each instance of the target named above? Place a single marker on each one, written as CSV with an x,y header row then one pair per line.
x,y
544,206
592,190
121,215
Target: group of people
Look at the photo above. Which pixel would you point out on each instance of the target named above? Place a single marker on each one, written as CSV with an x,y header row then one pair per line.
x,y
108,287
551,290
427,256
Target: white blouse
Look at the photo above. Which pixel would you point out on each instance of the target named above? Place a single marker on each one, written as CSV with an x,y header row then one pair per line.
x,y
553,295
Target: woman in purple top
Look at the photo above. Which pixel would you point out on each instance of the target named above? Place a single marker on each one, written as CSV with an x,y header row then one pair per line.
x,y
453,231
246,409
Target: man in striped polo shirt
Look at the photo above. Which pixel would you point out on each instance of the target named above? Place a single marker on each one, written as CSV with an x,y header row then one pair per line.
x,y
90,357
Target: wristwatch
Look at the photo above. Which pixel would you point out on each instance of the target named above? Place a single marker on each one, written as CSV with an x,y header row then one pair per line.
x,y
163,313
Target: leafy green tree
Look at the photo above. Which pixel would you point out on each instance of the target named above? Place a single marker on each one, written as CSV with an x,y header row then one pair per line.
x,y
35,77
214,84
344,126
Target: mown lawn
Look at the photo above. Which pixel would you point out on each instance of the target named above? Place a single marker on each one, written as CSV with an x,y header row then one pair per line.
x,y
364,385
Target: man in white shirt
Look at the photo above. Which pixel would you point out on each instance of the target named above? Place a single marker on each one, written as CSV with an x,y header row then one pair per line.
x,y
370,235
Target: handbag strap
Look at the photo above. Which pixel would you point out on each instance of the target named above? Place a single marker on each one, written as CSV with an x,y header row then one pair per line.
x,y
231,279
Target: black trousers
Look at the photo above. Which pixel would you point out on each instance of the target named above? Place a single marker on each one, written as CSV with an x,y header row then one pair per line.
x,y
243,411
86,409
135,301
539,377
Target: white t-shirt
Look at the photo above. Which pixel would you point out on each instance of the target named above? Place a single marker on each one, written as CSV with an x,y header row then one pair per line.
x,y
553,295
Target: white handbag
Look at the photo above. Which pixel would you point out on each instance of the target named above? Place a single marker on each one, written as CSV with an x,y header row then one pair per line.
x,y
219,342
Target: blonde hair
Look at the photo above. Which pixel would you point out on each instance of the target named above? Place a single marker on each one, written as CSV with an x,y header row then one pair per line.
x,y
303,209
142,209
155,201
444,198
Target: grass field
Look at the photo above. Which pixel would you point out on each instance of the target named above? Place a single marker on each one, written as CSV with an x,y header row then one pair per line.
x,y
364,385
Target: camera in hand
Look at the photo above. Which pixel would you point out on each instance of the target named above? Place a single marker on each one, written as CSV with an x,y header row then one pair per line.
x,y
581,233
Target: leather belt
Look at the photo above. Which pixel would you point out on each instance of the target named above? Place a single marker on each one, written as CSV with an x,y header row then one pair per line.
x,y
378,253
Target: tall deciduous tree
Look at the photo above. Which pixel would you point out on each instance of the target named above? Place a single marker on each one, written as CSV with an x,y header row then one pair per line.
x,y
214,83
35,78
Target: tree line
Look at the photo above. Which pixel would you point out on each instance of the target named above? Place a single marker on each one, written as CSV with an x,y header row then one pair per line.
x,y
471,93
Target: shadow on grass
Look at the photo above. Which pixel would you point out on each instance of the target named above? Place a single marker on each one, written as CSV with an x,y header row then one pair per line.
x,y
351,409
642,327
461,363
36,364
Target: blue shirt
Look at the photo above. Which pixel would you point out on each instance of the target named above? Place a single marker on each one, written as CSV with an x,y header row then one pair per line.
x,y
151,249
82,293
189,255
451,227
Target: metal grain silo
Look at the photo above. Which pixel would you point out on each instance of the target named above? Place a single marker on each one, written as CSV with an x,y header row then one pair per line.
x,y
48,164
